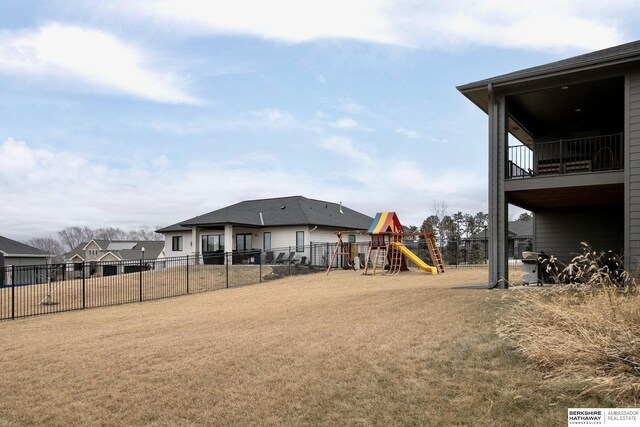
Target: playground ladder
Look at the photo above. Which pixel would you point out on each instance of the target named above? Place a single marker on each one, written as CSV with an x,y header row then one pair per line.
x,y
434,252
395,260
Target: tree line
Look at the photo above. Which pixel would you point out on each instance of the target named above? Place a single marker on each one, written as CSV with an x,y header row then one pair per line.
x,y
70,237
450,230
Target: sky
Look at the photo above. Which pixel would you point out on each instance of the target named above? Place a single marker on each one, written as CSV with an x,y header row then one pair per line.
x,y
123,114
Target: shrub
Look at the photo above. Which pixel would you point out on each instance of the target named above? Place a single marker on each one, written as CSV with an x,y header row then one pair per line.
x,y
585,334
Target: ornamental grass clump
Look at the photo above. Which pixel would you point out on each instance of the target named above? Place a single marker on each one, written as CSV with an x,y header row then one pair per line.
x,y
585,334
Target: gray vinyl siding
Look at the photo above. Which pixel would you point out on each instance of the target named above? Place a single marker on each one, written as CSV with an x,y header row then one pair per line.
x,y
9,260
560,231
633,164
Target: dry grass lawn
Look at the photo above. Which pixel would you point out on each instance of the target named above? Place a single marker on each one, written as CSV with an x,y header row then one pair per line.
x,y
309,350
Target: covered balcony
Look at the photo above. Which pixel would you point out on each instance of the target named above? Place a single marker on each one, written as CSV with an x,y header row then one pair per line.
x,y
566,156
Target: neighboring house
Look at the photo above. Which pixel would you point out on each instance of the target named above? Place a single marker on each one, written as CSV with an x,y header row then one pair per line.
x,y
105,257
520,236
266,224
564,143
16,253
13,253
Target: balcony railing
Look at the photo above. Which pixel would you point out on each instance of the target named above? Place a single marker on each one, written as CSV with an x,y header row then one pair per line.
x,y
592,154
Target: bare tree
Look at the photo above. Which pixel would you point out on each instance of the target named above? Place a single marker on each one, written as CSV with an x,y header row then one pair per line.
x,y
73,236
144,233
47,244
439,210
110,233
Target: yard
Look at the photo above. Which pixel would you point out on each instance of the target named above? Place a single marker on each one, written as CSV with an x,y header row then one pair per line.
x,y
343,349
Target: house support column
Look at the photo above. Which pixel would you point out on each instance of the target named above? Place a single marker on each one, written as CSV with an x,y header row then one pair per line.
x,y
498,207
195,241
228,241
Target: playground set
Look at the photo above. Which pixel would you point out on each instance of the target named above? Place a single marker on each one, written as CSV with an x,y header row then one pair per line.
x,y
386,249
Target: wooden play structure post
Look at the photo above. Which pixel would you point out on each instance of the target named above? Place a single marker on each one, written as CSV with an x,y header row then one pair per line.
x,y
341,249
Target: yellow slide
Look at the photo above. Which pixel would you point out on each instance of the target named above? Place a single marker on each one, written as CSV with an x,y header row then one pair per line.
x,y
414,258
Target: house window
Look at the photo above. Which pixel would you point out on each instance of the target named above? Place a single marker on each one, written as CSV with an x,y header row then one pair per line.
x,y
213,243
243,242
176,243
299,241
266,241
352,238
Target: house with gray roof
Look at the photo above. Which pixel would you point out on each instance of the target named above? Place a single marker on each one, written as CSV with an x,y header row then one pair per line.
x,y
115,250
265,224
105,257
564,143
13,252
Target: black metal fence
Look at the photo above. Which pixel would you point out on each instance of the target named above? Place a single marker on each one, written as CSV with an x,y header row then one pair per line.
x,y
42,289
29,290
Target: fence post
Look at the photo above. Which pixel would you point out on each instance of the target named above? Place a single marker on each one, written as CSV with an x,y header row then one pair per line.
x,y
84,293
187,274
289,262
13,292
140,279
83,284
260,265
326,255
226,263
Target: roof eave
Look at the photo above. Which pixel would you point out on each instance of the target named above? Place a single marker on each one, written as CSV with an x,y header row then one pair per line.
x,y
477,92
28,255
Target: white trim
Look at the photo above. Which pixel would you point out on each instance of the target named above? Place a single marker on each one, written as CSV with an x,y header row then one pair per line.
x,y
94,241
76,255
109,252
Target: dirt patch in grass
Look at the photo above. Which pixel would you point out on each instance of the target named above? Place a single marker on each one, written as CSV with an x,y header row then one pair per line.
x,y
343,349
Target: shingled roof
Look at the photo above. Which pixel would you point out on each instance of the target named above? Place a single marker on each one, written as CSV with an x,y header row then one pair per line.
x,y
152,248
281,211
617,54
478,92
10,247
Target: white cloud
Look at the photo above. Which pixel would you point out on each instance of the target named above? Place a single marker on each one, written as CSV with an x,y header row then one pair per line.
x,y
287,20
343,146
272,118
91,56
344,123
544,24
160,161
412,134
91,193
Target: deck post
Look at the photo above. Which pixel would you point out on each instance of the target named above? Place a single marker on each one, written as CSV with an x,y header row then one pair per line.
x,y
498,207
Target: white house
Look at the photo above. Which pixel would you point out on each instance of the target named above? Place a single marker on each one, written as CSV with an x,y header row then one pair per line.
x,y
268,225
